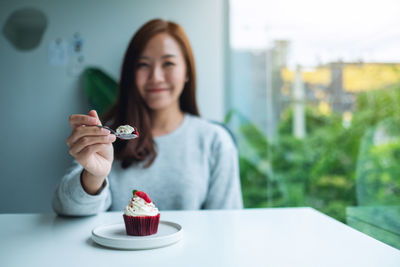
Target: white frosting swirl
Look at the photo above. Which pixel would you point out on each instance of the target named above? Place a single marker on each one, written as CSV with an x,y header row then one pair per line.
x,y
139,207
125,129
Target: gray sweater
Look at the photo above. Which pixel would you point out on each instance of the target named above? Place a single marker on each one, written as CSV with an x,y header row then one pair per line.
x,y
196,168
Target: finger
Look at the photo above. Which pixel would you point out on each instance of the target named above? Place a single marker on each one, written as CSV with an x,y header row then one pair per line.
x,y
83,131
93,113
77,120
88,141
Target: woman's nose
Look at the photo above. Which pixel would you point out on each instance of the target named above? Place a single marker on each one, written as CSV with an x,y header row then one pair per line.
x,y
157,74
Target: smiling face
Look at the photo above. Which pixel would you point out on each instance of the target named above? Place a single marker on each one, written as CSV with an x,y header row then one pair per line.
x,y
161,72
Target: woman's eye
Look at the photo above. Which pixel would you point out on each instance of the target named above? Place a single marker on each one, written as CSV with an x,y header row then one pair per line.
x,y
142,64
169,63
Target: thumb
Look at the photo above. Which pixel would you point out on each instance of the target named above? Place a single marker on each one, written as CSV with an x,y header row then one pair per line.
x,y
93,113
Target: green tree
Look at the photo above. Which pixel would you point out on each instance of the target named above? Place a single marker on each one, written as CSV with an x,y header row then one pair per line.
x,y
319,170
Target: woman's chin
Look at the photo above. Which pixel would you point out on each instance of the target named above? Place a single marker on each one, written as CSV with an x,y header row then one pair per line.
x,y
158,106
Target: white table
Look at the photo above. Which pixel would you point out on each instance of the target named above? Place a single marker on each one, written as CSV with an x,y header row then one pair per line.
x,y
255,237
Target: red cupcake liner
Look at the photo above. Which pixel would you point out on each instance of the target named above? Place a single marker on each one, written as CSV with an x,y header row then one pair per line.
x,y
141,225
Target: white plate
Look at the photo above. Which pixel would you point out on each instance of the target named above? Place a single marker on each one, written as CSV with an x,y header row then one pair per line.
x,y
114,236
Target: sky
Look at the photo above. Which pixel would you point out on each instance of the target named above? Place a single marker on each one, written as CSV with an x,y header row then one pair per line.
x,y
319,31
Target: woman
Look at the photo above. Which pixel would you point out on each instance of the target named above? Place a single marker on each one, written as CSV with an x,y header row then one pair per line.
x,y
180,160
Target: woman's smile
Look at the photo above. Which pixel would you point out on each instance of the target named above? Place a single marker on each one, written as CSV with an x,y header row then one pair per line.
x,y
156,90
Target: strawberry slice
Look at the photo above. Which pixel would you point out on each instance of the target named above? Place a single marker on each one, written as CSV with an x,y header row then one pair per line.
x,y
143,195
135,131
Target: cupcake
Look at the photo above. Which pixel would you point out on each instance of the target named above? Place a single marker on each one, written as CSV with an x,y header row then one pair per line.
x,y
141,215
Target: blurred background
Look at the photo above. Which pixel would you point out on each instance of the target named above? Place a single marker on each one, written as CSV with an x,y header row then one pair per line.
x,y
310,89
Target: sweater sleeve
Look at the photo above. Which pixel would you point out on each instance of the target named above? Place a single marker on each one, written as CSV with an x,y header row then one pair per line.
x,y
224,191
71,199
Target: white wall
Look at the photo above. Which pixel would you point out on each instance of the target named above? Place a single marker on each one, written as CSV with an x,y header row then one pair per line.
x,y
36,98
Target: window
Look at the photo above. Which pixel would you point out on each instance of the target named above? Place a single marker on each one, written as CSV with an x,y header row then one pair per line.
x,y
314,95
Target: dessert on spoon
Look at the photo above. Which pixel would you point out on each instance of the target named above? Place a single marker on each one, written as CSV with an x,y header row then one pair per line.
x,y
125,132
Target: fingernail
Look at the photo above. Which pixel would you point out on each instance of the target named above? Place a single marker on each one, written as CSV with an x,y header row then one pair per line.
x,y
105,131
92,120
111,137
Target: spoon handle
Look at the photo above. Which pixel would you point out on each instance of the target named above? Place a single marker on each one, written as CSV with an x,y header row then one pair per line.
x,y
107,128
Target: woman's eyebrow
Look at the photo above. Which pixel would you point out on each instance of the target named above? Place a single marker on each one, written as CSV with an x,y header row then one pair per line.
x,y
168,55
163,57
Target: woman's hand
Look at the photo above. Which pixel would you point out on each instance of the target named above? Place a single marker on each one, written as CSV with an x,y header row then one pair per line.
x,y
92,148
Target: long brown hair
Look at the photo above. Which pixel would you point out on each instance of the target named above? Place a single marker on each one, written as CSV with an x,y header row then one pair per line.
x,y
131,108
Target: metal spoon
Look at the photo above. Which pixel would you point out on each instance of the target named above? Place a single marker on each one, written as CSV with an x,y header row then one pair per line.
x,y
121,136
